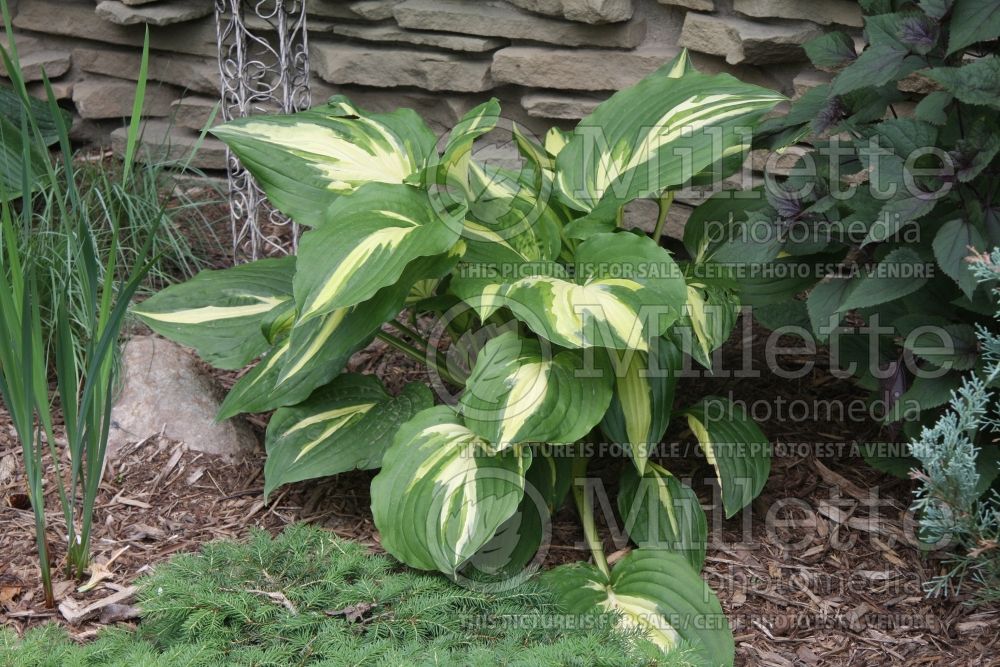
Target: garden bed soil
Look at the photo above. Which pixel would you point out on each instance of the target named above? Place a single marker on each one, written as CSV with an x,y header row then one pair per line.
x,y
837,584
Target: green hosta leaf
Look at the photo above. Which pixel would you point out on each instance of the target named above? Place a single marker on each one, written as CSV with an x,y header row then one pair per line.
x,y
655,592
12,106
952,245
830,51
891,279
662,513
736,448
316,350
629,146
627,290
977,82
509,220
440,497
220,313
708,321
973,21
531,150
371,237
514,548
454,165
644,396
346,425
521,392
304,161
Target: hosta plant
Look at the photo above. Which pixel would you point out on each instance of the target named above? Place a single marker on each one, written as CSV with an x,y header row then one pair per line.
x,y
569,323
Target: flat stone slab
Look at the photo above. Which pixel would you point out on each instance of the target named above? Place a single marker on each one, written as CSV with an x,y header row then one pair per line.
x,y
33,63
441,40
571,69
495,19
163,142
585,11
196,112
542,104
188,72
742,41
78,21
387,68
165,390
842,12
99,97
162,13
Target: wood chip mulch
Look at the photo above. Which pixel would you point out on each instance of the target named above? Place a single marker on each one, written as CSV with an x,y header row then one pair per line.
x,y
820,570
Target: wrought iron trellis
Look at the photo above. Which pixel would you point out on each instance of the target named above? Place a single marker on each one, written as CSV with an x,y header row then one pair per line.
x,y
264,67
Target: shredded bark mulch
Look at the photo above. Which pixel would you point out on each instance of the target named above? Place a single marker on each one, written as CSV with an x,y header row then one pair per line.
x,y
821,569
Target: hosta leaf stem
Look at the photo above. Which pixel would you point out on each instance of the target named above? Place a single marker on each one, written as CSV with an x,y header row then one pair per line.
x,y
418,355
587,514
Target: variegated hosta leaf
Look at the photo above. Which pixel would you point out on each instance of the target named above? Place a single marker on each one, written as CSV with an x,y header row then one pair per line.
x,y
660,512
514,547
532,151
440,496
346,425
644,396
657,135
453,168
372,235
316,351
709,318
655,592
521,392
736,448
304,161
219,313
511,218
627,290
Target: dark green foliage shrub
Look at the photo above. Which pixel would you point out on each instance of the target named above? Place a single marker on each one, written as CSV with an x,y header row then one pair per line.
x,y
877,219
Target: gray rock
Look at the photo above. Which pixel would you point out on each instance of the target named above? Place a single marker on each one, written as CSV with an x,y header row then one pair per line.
x,y
642,213
195,112
163,142
166,391
742,41
163,13
843,12
374,10
371,10
586,11
495,19
553,105
575,69
103,97
598,70
33,63
440,110
138,3
807,80
80,21
385,68
193,73
63,90
697,5
441,40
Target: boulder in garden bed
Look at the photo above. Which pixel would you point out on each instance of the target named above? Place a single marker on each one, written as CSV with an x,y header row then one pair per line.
x,y
165,389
